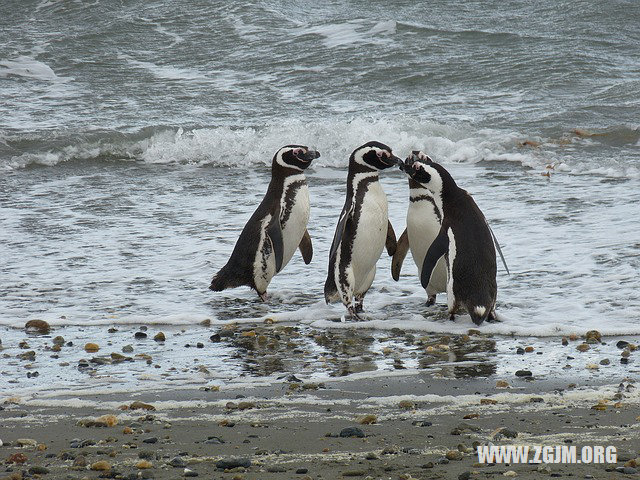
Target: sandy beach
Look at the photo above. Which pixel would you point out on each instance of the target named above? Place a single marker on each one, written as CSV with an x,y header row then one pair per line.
x,y
391,424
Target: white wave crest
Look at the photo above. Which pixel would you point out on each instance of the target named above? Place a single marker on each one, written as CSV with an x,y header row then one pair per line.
x,y
28,67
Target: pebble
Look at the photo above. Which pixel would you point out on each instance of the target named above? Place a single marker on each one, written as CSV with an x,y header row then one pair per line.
x,y
140,335
150,440
91,347
352,432
520,351
37,326
127,349
302,471
159,337
215,338
233,463
276,469
421,423
26,442
214,441
80,461
407,405
101,466
58,340
565,342
594,334
502,384
454,455
367,419
627,470
510,473
622,344
177,462
354,473
583,347
524,373
17,458
38,470
605,361
190,473
464,476
141,406
144,464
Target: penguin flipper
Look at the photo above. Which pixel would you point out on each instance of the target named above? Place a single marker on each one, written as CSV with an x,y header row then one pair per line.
x,y
438,248
347,211
274,232
495,241
306,249
391,242
398,257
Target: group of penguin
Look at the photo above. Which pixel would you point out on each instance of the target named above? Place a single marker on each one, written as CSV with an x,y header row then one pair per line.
x,y
448,235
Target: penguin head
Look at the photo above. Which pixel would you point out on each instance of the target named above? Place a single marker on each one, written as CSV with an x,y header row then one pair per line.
x,y
425,171
374,155
297,157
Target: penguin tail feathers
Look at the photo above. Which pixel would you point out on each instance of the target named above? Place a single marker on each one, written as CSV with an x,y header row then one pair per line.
x,y
479,314
224,279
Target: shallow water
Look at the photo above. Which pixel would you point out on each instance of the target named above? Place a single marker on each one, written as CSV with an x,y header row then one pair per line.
x,y
135,144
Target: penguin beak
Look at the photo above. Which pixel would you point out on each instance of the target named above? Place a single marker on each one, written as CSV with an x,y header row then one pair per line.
x,y
391,160
311,155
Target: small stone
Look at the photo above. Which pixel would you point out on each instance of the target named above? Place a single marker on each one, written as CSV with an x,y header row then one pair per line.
x,y
573,337
593,334
454,455
58,340
352,432
91,347
127,349
605,361
367,419
101,466
625,353
80,461
214,441
141,406
190,473
140,335
529,349
622,344
583,347
233,463
302,471
406,405
215,338
627,470
565,342
488,401
354,473
502,384
177,462
536,400
276,469
37,326
38,470
150,440
199,345
510,473
371,456
592,366
26,442
421,423
144,464
246,405
464,476
524,373
159,337
109,420
127,430
17,458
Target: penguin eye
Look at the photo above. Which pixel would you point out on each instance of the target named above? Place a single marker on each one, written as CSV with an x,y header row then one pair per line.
x,y
298,151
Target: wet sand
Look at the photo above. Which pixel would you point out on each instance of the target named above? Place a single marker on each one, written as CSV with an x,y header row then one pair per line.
x,y
291,429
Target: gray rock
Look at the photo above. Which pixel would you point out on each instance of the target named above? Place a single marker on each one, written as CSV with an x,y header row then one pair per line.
x,y
352,432
177,462
150,440
214,441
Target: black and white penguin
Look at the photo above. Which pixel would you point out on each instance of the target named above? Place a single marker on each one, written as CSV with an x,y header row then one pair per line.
x,y
363,229
424,219
464,239
276,229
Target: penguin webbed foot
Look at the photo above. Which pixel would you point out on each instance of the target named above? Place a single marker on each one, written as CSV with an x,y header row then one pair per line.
x,y
492,318
452,317
263,296
431,300
354,313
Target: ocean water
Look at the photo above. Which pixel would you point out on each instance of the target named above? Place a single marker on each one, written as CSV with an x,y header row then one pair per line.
x,y
135,142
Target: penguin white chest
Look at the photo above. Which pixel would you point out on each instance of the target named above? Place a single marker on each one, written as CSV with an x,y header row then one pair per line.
x,y
423,226
371,232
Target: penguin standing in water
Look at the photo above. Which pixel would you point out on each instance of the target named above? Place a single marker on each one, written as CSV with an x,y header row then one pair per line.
x,y
276,229
464,239
424,219
363,229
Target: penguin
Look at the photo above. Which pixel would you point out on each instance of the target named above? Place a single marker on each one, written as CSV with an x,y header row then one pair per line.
x,y
464,239
276,229
424,219
363,229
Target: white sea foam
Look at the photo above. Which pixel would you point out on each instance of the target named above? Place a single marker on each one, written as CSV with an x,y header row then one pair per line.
x,y
351,33
28,67
167,72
